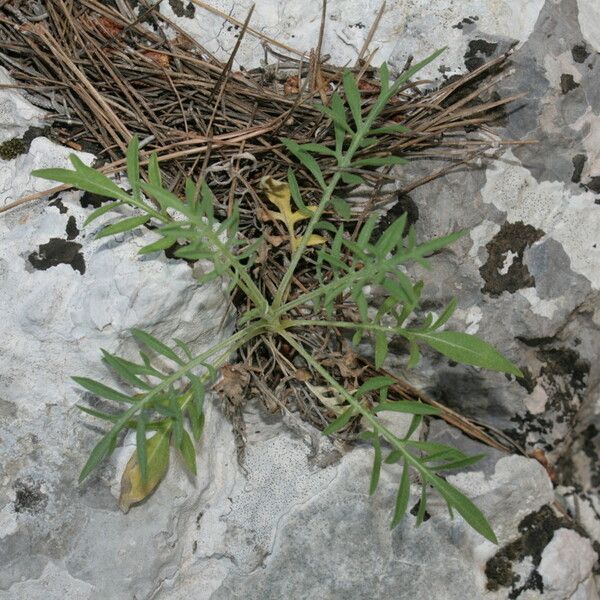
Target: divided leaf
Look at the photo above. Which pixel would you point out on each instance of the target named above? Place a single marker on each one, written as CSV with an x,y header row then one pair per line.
x,y
133,487
278,192
468,349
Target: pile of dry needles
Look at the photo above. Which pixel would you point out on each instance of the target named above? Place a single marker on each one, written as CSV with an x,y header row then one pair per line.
x,y
106,71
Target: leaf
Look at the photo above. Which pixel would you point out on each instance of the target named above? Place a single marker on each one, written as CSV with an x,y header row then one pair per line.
x,y
124,370
408,406
468,349
177,420
352,97
380,161
133,489
133,166
101,211
122,226
438,243
132,424
198,392
296,195
337,114
384,76
381,348
412,71
306,159
414,423
156,345
167,200
142,447
392,237
340,422
100,185
372,384
351,178
313,240
415,355
367,230
376,472
102,449
102,390
422,506
278,192
459,464
342,208
208,202
469,512
318,149
196,420
161,244
403,497
188,452
154,171
191,193
445,316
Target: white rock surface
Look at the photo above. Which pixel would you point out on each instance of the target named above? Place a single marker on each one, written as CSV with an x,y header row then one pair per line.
x,y
295,525
550,206
566,564
15,175
589,21
418,28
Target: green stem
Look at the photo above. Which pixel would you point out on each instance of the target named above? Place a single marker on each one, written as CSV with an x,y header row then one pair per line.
x,y
228,346
299,251
380,429
249,287
288,324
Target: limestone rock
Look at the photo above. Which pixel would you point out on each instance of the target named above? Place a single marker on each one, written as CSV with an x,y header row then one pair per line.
x,y
298,523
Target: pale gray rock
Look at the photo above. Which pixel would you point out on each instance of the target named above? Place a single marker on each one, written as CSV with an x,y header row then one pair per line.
x,y
566,564
64,296
297,522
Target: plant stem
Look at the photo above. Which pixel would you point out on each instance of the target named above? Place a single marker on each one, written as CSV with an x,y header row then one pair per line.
x,y
227,347
380,429
288,324
283,290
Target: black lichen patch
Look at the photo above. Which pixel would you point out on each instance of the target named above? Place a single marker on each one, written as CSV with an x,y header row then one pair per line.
x,y
92,200
566,363
536,531
189,10
564,378
578,163
465,21
35,132
527,381
57,252
514,238
404,204
29,496
593,184
579,53
415,511
72,230
17,146
57,202
477,52
12,148
567,83
537,341
588,443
